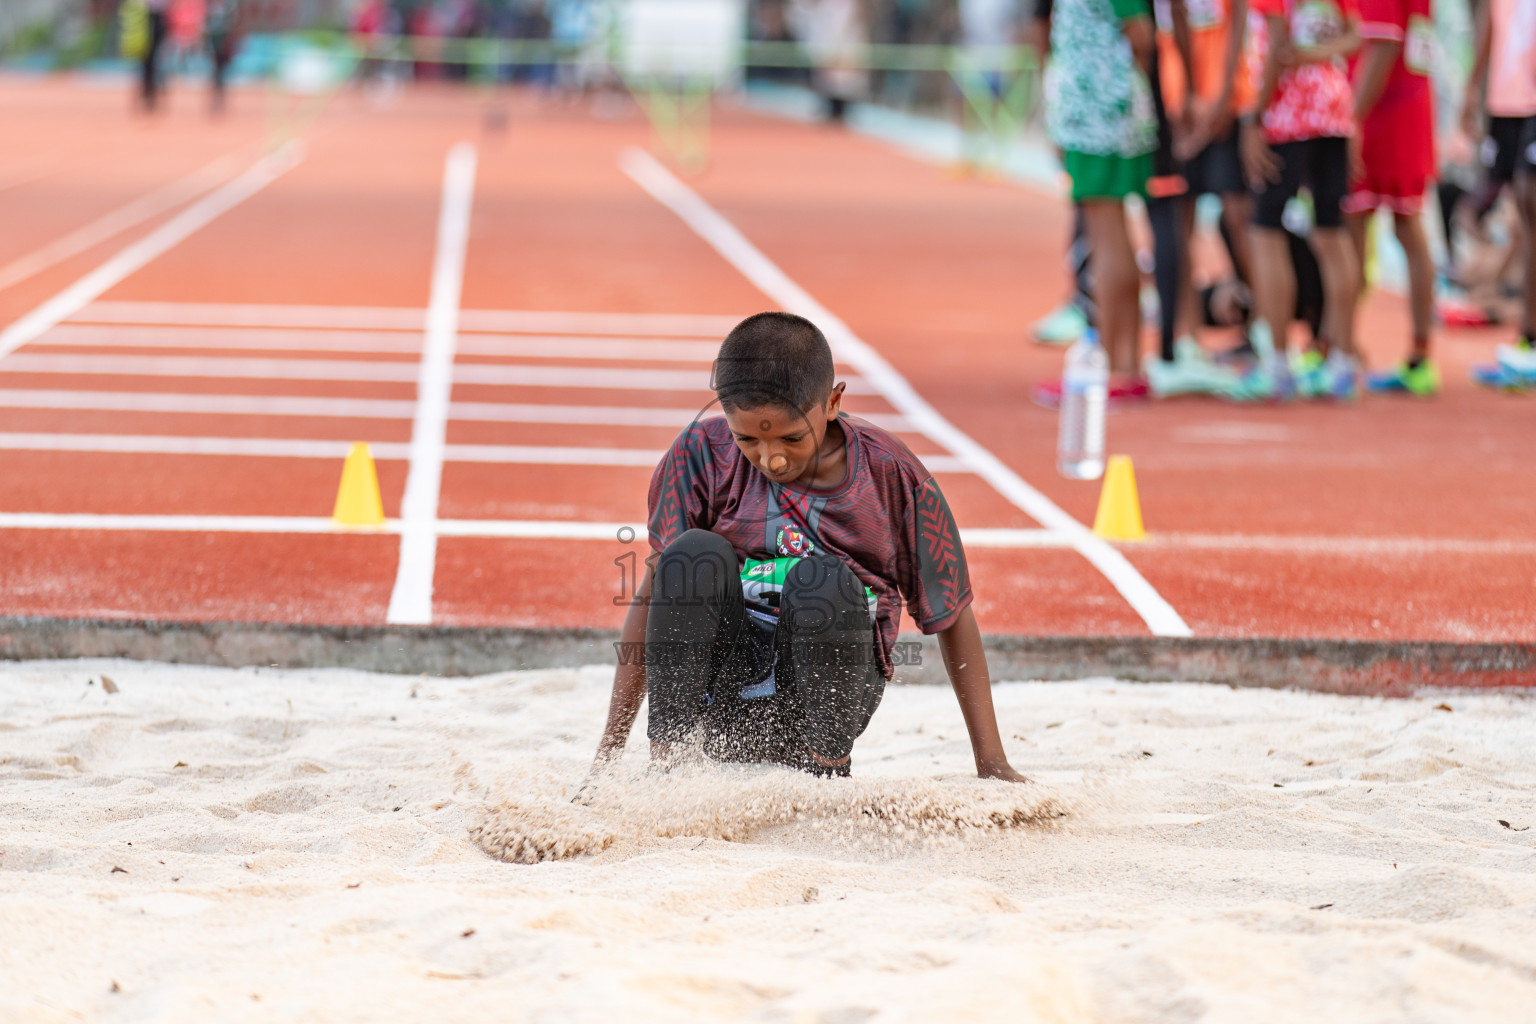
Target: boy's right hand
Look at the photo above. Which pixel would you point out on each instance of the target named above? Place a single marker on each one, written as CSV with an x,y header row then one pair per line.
x,y
1471,117
1260,164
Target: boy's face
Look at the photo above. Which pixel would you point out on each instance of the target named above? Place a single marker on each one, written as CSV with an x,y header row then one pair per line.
x,y
784,444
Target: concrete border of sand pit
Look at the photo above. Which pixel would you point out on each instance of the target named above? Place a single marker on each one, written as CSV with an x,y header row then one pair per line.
x,y
1335,666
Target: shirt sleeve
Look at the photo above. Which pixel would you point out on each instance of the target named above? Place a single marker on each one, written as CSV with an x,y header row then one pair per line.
x,y
680,488
940,588
1129,8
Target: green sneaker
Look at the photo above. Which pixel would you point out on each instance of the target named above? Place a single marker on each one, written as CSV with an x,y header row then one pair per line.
x,y
1422,380
1061,326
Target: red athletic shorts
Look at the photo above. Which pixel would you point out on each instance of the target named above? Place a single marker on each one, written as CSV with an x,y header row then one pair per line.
x,y
1398,150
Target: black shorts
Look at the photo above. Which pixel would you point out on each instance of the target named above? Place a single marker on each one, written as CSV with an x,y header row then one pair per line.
x,y
1217,169
1322,165
758,688
1507,148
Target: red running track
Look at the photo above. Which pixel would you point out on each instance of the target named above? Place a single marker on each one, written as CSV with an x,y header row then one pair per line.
x,y
290,325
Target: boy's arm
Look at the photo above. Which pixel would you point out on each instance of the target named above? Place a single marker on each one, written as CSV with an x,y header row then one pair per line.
x,y
628,678
966,663
1142,36
1472,102
1237,30
1279,33
1371,76
1178,13
1187,126
1260,165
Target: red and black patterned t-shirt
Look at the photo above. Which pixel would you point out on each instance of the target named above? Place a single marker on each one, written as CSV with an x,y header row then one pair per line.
x,y
887,519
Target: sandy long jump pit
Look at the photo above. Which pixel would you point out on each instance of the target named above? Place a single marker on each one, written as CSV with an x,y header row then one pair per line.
x,y
210,844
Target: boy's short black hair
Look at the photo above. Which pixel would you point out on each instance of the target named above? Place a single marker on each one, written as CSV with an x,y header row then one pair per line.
x,y
773,359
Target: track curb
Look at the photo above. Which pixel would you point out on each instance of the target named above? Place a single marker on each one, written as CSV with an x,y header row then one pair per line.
x,y
1387,668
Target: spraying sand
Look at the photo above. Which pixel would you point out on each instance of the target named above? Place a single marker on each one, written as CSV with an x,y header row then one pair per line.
x,y
317,846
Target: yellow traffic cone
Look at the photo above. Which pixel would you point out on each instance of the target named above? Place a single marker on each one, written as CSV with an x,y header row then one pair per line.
x,y
357,500
1119,515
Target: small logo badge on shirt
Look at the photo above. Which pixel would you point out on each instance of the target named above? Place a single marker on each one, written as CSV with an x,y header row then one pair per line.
x,y
793,542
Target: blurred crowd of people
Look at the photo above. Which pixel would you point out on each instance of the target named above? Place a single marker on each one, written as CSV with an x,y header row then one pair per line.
x,y
830,33
158,32
1304,119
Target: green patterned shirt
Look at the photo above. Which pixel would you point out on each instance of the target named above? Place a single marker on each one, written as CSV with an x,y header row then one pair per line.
x,y
1097,99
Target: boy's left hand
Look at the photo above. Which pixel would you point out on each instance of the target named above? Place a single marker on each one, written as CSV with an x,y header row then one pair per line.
x,y
1005,772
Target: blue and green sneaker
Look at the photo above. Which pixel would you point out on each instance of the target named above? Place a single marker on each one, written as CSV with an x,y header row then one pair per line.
x,y
1492,375
1406,379
1309,374
1519,361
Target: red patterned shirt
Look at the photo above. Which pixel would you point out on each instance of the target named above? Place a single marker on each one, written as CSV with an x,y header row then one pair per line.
x,y
887,520
1313,101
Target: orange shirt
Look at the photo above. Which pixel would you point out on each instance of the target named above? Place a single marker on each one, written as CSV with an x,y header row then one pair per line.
x,y
1209,30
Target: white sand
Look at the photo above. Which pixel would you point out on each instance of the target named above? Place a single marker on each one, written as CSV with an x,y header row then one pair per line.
x,y
313,860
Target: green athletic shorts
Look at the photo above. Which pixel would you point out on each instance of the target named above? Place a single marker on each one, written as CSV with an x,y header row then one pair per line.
x,y
1095,176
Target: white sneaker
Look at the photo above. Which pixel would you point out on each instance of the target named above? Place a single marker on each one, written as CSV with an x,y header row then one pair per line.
x,y
1190,373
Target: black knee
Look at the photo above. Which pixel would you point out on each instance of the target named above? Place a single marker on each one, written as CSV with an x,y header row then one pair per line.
x,y
823,599
697,567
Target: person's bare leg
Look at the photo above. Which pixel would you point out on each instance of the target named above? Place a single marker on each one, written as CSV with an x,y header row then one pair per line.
x,y
1274,282
1339,262
1185,322
1421,280
1359,227
1358,223
1525,199
1115,283
1237,212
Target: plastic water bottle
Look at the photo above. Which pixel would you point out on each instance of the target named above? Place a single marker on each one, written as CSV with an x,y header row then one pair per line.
x,y
1084,388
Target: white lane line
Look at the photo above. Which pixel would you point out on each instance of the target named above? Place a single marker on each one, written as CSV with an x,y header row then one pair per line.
x,y
536,346
170,444
566,529
218,314
222,405
365,370
1013,538
558,529
168,523
404,318
372,408
303,448
411,599
1159,615
400,371
1340,545
530,321
530,529
131,214
254,339
90,287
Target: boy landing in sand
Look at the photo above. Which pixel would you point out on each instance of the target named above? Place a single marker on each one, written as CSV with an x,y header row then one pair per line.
x,y
788,535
